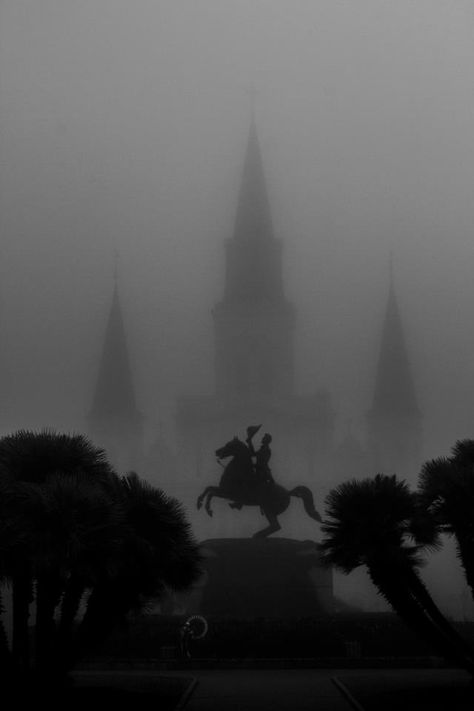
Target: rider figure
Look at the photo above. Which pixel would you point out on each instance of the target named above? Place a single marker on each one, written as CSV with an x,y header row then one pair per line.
x,y
261,456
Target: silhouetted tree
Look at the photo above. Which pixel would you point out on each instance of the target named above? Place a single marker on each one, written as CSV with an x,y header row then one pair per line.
x,y
156,551
374,522
78,528
446,487
13,539
31,459
72,527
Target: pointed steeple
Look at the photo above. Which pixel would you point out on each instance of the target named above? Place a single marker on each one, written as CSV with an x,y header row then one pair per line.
x,y
394,393
253,219
254,329
395,421
254,322
253,270
114,396
114,421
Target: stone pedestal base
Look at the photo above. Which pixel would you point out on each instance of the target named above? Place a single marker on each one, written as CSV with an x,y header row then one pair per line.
x,y
273,577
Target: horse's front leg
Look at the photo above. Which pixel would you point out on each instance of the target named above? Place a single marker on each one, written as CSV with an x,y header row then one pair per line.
x,y
209,511
202,496
210,492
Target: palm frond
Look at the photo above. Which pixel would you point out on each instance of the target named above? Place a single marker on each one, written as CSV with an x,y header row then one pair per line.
x,y
366,516
462,452
32,456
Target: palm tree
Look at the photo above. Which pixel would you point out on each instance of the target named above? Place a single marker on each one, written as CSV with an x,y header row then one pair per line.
x,y
17,535
29,460
446,487
13,536
33,456
373,522
83,530
78,528
156,552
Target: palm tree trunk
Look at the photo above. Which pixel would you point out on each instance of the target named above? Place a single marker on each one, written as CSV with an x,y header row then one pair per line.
x,y
48,595
105,608
22,598
5,654
395,590
463,649
466,553
73,594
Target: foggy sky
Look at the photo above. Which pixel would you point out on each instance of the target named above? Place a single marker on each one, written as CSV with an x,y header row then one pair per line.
x,y
123,126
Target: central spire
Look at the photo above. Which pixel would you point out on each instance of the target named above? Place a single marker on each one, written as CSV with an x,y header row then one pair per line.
x,y
254,322
253,218
253,259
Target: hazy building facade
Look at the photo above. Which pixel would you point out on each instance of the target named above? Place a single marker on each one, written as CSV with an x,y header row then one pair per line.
x,y
394,421
254,339
350,460
254,327
114,421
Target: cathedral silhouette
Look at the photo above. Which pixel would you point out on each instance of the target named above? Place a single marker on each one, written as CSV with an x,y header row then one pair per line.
x,y
254,336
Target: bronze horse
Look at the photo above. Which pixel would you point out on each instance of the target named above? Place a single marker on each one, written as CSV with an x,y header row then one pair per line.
x,y
240,484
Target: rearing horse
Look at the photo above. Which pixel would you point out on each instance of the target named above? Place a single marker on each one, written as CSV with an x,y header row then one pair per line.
x,y
239,483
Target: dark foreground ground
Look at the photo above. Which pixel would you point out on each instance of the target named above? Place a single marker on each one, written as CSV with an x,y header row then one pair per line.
x,y
131,690
280,690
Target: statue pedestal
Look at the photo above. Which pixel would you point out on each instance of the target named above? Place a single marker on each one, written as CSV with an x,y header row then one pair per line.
x,y
272,577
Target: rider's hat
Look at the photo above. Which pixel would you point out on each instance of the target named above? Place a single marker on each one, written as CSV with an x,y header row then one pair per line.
x,y
252,430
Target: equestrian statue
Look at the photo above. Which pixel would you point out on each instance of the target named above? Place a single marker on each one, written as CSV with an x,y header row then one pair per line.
x,y
247,481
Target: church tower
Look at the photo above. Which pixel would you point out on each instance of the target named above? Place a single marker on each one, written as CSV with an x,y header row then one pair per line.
x,y
254,323
395,421
254,327
114,421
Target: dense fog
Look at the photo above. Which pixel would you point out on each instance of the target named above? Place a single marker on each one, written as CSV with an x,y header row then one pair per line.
x,y
123,132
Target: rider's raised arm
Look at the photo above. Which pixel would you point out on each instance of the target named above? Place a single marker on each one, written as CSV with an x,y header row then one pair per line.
x,y
251,447
251,432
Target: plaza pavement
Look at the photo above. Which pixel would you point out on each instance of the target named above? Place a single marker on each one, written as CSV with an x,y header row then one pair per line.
x,y
266,690
434,689
329,690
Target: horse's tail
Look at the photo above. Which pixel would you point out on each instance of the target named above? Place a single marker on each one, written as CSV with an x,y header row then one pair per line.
x,y
302,492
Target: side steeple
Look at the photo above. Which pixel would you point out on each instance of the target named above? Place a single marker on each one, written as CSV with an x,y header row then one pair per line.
x,y
394,419
114,421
